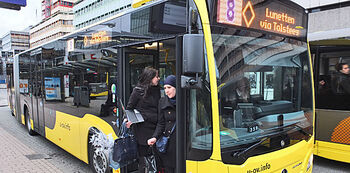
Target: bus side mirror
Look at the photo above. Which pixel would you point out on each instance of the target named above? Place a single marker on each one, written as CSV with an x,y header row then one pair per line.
x,y
193,60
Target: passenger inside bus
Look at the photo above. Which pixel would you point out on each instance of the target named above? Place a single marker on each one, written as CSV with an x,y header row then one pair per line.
x,y
239,103
242,91
333,91
342,79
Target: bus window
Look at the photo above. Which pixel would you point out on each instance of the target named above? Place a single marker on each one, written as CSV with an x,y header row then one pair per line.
x,y
200,131
329,92
80,78
264,84
24,75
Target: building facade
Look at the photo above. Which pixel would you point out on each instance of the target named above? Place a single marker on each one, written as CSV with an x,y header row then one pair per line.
x,y
57,20
87,12
328,19
15,42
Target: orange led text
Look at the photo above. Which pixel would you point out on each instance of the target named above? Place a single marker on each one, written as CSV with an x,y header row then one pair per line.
x,y
279,16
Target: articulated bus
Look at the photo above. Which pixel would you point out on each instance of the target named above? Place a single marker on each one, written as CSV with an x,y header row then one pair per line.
x,y
244,77
332,119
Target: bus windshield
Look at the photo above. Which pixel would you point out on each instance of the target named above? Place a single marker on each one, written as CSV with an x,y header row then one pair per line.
x,y
265,94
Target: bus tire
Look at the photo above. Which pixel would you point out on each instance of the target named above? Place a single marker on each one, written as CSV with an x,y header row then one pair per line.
x,y
98,160
28,124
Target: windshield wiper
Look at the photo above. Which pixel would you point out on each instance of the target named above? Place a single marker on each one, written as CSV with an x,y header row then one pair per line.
x,y
251,148
303,131
300,129
242,154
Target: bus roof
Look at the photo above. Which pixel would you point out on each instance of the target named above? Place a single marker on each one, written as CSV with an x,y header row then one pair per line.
x,y
102,22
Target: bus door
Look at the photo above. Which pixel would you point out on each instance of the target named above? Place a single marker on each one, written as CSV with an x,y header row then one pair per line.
x,y
159,55
10,85
37,99
135,61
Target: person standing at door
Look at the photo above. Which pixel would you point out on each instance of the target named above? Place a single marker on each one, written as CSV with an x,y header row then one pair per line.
x,y
144,98
167,109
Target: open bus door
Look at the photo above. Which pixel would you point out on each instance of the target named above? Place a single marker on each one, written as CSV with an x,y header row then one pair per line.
x,y
159,55
136,61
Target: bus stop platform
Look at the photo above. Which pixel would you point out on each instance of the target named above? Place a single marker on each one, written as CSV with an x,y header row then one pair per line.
x,y
17,157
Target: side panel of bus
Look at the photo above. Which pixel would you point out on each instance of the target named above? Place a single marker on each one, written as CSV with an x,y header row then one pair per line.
x,y
48,103
332,104
332,134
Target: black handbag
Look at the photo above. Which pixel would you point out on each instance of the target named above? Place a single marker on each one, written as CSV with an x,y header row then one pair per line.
x,y
150,163
125,147
162,143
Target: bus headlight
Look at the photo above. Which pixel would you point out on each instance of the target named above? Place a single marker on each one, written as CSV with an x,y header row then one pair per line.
x,y
309,164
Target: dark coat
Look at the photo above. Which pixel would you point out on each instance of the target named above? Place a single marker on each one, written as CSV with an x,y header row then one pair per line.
x,y
341,91
168,111
344,82
147,105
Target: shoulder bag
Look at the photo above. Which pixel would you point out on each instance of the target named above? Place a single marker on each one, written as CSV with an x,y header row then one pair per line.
x,y
162,143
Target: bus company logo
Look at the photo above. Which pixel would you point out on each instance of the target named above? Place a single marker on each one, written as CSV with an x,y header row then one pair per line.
x,y
65,126
262,168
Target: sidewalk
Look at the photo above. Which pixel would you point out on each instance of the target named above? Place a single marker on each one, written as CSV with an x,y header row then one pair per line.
x,y
17,157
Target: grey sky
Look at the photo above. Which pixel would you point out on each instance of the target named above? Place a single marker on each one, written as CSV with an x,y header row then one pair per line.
x,y
19,20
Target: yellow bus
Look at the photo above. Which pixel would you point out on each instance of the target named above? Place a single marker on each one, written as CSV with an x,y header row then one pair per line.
x,y
332,140
244,77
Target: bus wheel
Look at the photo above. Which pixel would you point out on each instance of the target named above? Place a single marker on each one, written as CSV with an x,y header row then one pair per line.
x,y
98,160
28,124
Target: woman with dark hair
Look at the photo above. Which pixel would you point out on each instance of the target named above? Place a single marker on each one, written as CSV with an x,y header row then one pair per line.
x,y
144,98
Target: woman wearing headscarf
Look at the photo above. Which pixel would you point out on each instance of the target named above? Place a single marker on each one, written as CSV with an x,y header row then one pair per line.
x,y
144,98
167,109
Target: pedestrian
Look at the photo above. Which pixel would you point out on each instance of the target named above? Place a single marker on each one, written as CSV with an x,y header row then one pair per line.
x,y
167,109
144,98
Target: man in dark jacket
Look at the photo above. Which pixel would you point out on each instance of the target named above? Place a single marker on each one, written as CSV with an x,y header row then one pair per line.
x,y
167,109
343,78
341,87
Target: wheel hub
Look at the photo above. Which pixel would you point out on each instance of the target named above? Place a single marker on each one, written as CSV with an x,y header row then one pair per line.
x,y
100,161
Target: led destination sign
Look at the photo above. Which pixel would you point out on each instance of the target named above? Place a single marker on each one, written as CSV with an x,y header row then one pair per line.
x,y
96,38
269,15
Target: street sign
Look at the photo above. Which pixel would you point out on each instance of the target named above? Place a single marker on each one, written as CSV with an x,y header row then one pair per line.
x,y
13,4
